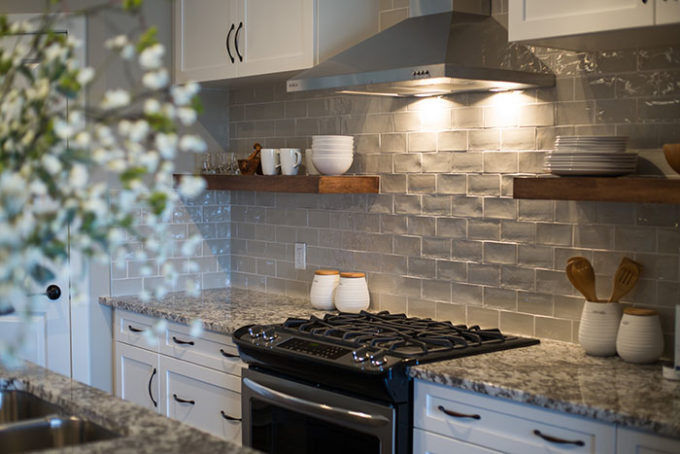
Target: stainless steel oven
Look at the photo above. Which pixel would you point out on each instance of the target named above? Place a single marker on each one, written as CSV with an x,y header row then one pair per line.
x,y
283,416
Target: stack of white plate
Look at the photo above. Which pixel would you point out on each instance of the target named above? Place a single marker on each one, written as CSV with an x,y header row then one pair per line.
x,y
332,155
590,155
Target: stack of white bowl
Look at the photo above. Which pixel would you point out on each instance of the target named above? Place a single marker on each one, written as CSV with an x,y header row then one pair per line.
x,y
590,155
332,155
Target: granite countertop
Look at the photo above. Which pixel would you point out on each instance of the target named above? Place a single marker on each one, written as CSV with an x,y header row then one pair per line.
x,y
220,310
553,375
141,431
560,376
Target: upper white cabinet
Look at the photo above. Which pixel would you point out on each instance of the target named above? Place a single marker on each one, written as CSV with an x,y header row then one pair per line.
x,y
223,39
667,11
529,19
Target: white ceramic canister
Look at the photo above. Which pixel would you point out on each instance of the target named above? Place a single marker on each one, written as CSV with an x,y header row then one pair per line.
x,y
640,339
323,289
598,328
352,293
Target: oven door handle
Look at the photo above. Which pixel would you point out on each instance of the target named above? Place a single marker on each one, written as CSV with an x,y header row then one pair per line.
x,y
297,403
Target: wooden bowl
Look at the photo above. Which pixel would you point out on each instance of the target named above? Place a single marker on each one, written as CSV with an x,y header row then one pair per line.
x,y
249,166
672,153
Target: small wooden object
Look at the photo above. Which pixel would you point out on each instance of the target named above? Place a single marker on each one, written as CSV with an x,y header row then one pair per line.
x,y
640,311
352,274
326,272
625,278
582,276
251,164
672,153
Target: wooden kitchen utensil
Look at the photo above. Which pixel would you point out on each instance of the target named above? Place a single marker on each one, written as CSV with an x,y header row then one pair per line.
x,y
625,278
582,276
251,164
672,153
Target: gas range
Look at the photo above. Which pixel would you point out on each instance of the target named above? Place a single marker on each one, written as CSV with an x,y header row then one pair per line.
x,y
340,383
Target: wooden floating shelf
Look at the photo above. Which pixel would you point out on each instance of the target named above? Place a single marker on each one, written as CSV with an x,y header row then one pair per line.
x,y
321,184
608,189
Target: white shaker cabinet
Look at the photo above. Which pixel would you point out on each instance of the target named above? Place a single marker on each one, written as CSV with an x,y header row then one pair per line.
x,y
452,420
631,441
667,12
536,19
224,39
137,375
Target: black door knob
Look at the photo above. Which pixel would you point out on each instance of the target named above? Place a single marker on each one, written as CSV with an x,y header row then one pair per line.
x,y
53,292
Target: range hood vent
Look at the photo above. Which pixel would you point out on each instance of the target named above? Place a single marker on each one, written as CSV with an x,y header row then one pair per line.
x,y
437,54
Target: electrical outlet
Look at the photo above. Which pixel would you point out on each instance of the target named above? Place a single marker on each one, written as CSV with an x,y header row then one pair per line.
x,y
300,256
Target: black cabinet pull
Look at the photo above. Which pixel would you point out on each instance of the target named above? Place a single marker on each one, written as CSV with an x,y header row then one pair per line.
x,y
455,414
229,418
227,355
155,404
561,441
231,57
181,342
238,30
135,330
182,401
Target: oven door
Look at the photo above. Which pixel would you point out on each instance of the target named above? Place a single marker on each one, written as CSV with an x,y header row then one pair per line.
x,y
282,416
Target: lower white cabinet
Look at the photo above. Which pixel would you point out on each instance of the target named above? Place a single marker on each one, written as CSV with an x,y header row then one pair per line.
x,y
447,418
631,441
193,379
137,375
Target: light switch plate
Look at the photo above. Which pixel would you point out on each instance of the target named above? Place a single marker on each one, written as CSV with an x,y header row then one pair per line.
x,y
300,256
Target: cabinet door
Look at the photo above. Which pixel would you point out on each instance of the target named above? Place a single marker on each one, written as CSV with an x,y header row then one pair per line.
x,y
429,443
275,36
667,11
137,375
535,19
633,442
202,398
203,39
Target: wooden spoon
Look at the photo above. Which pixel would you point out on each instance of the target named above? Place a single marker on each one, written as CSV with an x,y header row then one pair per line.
x,y
582,276
625,278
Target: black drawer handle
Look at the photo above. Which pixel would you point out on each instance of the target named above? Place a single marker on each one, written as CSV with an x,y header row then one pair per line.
x,y
183,401
181,342
135,330
231,57
455,414
561,441
155,404
229,418
227,355
238,30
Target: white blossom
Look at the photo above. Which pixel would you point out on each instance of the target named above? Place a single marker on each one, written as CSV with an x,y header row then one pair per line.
x,y
166,145
151,106
78,176
51,164
85,76
155,80
186,116
192,143
182,94
117,42
191,186
152,56
114,99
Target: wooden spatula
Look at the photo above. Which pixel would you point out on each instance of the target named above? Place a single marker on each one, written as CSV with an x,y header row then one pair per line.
x,y
625,278
582,276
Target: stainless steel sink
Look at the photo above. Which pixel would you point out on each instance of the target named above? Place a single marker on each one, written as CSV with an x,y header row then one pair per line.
x,y
48,433
20,405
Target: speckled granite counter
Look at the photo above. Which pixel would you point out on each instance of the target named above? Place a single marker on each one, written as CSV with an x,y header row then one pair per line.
x,y
142,431
560,376
222,310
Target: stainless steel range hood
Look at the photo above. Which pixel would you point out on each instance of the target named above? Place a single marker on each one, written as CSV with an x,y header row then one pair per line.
x,y
437,54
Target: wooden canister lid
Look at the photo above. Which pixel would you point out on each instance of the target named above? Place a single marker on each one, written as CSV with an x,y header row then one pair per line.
x,y
351,275
639,311
326,272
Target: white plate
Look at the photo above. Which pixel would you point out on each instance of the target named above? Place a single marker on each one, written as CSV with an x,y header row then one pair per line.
x,y
590,172
591,139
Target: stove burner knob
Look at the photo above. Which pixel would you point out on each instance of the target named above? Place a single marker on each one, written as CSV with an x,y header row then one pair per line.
x,y
256,331
269,334
360,355
378,358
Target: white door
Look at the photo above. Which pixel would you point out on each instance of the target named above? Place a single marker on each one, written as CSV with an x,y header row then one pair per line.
x,y
45,337
200,397
535,19
137,375
275,36
203,35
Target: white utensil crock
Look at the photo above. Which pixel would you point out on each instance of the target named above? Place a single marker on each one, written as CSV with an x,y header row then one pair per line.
x,y
598,328
323,289
640,339
352,293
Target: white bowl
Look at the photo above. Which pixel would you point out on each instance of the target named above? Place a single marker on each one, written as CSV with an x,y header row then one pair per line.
x,y
330,154
329,137
332,165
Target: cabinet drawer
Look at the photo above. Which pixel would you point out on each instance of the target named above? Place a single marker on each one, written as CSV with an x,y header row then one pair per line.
x,y
506,426
631,441
130,328
200,397
427,442
210,349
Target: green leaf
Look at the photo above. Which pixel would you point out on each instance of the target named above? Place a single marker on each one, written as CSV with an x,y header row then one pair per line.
x,y
160,123
196,104
132,5
148,39
157,202
131,174
42,274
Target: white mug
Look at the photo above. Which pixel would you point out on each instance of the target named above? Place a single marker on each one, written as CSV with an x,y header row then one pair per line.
x,y
270,161
290,160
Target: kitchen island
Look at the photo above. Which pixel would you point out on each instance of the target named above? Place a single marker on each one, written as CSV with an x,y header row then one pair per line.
x,y
554,375
141,430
